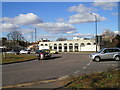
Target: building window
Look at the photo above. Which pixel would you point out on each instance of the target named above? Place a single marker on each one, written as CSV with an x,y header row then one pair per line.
x,y
55,44
70,44
76,44
82,45
76,47
88,43
94,44
45,44
65,44
60,47
55,48
65,47
41,44
60,44
70,47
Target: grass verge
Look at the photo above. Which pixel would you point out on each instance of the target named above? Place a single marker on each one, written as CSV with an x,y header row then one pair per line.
x,y
109,79
16,58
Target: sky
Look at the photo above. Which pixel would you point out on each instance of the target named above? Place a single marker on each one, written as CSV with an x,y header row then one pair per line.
x,y
53,20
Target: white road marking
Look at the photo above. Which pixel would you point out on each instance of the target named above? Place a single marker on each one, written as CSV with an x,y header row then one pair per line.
x,y
63,77
84,67
77,72
90,61
88,64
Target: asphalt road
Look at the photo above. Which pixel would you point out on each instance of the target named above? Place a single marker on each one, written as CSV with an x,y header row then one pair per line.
x,y
59,66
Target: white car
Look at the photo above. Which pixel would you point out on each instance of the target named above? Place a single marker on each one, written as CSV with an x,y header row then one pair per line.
x,y
106,53
24,52
13,52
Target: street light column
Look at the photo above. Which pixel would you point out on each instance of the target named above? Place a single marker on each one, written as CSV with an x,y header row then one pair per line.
x,y
95,29
96,32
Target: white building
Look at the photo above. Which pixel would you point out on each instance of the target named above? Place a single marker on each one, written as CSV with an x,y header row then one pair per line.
x,y
70,46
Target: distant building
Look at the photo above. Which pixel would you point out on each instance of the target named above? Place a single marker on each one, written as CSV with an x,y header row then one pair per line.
x,y
70,45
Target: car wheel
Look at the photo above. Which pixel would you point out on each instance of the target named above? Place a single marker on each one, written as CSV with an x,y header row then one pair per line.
x,y
117,58
97,59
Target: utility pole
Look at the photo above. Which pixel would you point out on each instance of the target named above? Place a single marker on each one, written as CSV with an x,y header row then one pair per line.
x,y
32,36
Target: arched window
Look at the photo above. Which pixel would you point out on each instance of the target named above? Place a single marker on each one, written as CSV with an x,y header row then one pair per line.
x,y
60,47
46,45
76,44
60,44
55,44
76,47
94,44
70,44
41,45
82,45
88,43
65,44
65,47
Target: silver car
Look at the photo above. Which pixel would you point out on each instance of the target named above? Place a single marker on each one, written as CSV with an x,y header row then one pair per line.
x,y
106,53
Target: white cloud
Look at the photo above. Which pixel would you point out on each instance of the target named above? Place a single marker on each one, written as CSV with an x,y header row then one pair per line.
x,y
6,19
105,5
83,15
115,13
80,8
106,0
57,28
84,35
27,19
46,36
26,31
7,27
23,19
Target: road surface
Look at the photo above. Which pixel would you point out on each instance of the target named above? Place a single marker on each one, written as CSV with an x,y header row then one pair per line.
x,y
59,66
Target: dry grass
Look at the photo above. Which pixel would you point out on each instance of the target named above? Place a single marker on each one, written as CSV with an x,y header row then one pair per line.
x,y
109,79
14,58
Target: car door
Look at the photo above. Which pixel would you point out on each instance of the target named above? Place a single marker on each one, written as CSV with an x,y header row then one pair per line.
x,y
107,54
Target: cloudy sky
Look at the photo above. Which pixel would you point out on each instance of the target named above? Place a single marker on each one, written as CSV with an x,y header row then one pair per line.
x,y
58,19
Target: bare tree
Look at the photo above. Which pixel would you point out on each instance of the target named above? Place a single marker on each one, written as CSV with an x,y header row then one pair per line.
x,y
107,34
107,37
15,35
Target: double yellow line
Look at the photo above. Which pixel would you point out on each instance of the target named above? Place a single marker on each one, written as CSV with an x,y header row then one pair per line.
x,y
28,84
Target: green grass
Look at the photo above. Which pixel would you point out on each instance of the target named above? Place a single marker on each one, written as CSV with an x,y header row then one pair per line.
x,y
109,79
14,58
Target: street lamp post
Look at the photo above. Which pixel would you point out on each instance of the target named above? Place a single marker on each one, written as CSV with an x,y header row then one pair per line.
x,y
95,29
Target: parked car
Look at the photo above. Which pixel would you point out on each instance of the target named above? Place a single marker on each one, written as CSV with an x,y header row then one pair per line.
x,y
106,53
16,52
44,54
24,52
53,52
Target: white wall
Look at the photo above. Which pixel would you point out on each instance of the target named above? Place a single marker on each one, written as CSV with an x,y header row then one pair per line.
x,y
89,48
43,47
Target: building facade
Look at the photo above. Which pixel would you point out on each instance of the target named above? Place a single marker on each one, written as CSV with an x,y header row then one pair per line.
x,y
70,46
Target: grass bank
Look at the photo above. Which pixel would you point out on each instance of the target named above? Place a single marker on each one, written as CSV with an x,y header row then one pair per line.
x,y
16,58
81,52
109,79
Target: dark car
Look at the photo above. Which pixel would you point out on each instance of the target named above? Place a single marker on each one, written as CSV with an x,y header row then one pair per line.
x,y
38,51
43,54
